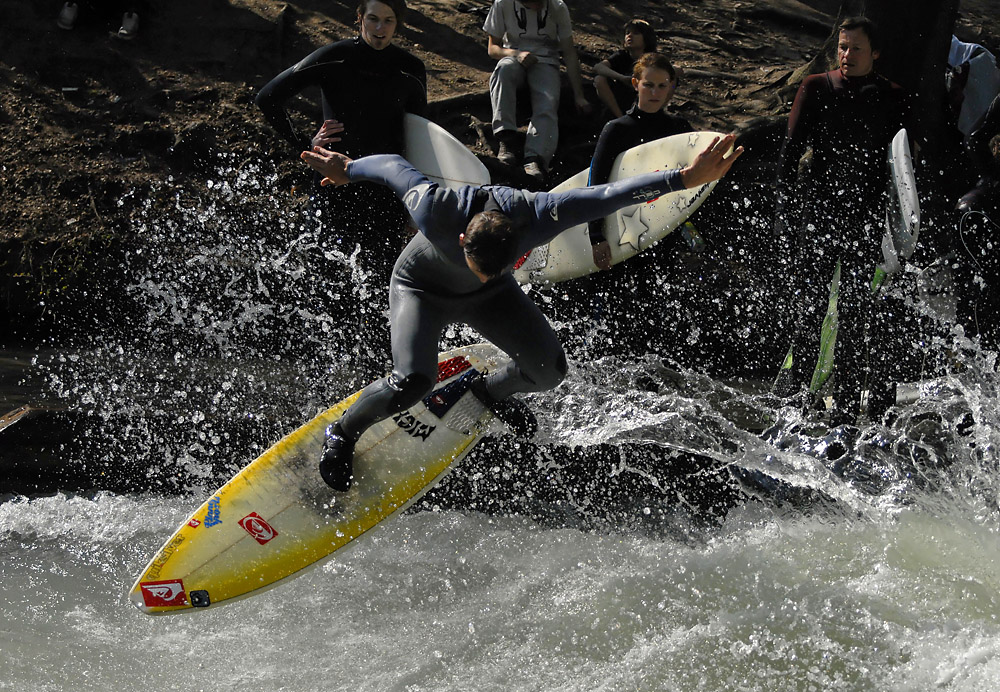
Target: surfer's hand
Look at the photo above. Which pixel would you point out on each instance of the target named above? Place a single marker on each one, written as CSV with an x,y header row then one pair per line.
x,y
712,163
331,165
526,58
602,255
325,135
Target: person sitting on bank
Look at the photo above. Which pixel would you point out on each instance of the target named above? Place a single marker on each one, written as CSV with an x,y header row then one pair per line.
x,y
654,80
458,269
613,76
526,37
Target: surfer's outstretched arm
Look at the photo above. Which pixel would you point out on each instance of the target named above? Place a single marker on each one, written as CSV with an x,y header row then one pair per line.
x,y
556,211
390,170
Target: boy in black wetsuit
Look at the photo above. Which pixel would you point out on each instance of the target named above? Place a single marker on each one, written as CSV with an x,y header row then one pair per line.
x,y
848,118
613,75
367,84
457,269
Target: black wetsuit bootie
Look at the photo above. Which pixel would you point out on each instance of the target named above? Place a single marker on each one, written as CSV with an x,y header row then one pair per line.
x,y
512,412
337,465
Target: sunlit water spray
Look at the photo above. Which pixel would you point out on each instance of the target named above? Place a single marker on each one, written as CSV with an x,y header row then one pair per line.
x,y
871,568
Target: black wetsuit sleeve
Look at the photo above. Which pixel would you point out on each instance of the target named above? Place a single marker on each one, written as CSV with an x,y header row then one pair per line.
x,y
796,138
610,144
789,193
416,100
272,98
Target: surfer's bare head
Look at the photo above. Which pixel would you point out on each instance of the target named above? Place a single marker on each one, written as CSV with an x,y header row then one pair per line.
x,y
654,80
379,20
857,46
490,244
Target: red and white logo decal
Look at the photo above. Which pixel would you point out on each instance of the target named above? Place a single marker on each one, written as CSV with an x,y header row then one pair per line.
x,y
194,523
255,525
163,593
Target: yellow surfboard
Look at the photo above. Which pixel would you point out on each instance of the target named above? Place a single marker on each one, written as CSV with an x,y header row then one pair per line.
x,y
276,517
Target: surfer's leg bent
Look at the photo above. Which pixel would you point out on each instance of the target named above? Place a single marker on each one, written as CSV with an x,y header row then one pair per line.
x,y
416,326
510,320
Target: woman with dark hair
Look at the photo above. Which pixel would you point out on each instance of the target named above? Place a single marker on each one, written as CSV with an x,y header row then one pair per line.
x,y
613,80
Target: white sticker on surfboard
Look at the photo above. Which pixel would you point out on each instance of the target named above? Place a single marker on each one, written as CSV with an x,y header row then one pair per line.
x,y
630,230
437,154
902,214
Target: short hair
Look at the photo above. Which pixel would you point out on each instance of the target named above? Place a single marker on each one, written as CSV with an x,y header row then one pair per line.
x,y
398,7
645,29
866,25
653,60
490,242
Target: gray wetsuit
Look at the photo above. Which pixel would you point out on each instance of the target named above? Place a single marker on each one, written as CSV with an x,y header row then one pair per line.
x,y
433,287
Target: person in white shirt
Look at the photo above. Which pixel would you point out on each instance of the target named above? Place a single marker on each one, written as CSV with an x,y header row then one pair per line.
x,y
527,38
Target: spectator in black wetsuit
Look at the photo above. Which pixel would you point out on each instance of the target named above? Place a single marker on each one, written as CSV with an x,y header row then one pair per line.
x,y
835,212
613,76
653,82
367,84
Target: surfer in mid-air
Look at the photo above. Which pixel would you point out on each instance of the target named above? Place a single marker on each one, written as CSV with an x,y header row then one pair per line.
x,y
458,269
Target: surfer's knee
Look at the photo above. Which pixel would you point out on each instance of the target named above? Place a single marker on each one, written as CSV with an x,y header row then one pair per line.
x,y
407,389
561,369
550,375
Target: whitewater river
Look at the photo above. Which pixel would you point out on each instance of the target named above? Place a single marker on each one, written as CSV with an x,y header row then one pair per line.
x,y
874,568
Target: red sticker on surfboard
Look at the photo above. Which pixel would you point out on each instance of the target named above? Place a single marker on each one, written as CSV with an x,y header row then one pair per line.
x,y
452,366
163,593
256,526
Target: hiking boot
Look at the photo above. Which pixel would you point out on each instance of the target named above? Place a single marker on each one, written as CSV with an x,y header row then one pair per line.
x,y
67,16
337,465
513,413
535,171
130,26
505,154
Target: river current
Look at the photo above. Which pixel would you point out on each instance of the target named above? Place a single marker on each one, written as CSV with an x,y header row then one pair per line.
x,y
872,566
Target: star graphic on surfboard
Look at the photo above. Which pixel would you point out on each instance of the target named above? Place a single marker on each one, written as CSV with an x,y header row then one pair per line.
x,y
631,229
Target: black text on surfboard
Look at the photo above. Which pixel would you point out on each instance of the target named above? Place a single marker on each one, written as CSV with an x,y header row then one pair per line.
x,y
414,427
